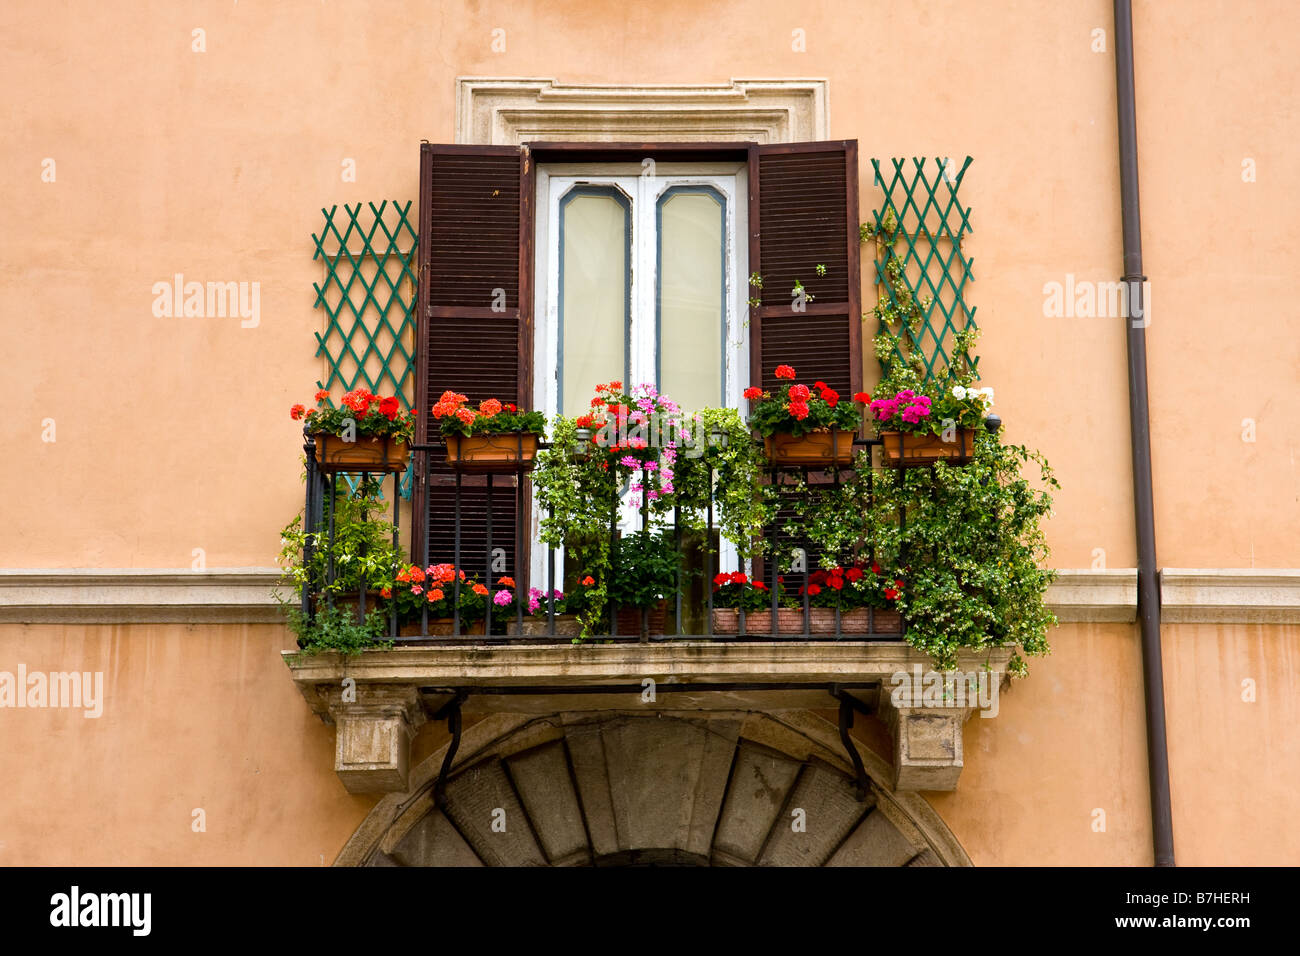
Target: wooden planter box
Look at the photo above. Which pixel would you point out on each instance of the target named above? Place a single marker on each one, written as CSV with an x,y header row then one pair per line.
x,y
908,449
440,627
629,620
510,451
538,625
816,448
387,454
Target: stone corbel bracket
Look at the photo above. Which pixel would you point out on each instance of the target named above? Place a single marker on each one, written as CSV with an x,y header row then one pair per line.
x,y
379,699
375,724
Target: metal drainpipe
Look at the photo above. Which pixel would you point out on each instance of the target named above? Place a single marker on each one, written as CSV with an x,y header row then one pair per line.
x,y
1162,824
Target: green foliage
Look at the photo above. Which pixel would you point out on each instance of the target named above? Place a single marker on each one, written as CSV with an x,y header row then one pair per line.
x,y
743,505
363,544
644,569
337,629
972,550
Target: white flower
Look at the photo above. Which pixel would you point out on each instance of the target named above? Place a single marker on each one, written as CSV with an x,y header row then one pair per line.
x,y
958,392
988,397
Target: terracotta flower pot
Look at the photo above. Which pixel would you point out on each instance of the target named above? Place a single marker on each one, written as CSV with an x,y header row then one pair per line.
x,y
824,448
386,454
509,451
727,621
907,449
629,620
538,625
887,622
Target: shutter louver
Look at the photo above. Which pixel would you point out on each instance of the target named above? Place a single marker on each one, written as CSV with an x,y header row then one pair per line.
x,y
475,329
803,212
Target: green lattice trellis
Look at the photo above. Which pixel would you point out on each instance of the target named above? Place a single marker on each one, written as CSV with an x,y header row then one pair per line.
x,y
928,223
369,300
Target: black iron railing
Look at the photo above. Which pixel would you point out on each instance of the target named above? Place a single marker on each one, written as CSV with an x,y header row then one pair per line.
x,y
815,623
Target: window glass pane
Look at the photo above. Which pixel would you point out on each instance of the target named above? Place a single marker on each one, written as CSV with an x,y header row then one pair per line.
x,y
594,288
691,297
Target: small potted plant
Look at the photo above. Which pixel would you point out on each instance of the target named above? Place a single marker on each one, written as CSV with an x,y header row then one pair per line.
x,y
644,571
919,429
804,425
496,436
434,588
367,433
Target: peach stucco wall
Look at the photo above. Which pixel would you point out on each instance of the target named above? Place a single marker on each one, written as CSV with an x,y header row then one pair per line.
x,y
172,434
206,717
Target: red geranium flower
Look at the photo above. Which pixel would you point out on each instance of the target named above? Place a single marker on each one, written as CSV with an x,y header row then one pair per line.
x,y
323,394
753,392
831,397
862,397
490,407
297,412
798,410
875,568
819,385
853,574
784,371
740,577
389,407
588,581
800,393
891,594
814,590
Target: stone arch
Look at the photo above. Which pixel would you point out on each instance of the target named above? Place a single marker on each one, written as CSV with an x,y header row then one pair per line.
x,y
662,788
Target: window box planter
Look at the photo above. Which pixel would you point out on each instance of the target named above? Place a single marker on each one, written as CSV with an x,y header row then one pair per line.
x,y
824,448
566,625
629,620
908,449
821,620
726,620
509,451
367,453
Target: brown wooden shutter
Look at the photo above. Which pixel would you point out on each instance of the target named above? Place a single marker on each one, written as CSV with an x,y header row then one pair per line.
x,y
475,328
803,211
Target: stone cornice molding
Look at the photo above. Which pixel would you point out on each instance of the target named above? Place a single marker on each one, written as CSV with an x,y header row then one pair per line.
x,y
139,596
246,595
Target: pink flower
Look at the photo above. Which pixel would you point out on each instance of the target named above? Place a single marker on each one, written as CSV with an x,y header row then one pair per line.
x,y
502,598
627,461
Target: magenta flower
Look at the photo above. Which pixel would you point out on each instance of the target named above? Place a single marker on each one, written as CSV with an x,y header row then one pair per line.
x,y
502,598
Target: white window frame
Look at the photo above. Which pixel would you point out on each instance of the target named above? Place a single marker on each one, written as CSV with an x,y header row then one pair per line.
x,y
642,185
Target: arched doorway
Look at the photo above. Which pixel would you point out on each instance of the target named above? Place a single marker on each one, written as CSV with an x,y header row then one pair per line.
x,y
661,788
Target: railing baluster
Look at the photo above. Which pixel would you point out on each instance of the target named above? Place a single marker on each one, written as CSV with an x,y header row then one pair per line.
x,y
487,574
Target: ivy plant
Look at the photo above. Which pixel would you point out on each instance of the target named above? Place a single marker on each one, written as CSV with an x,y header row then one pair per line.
x,y
972,551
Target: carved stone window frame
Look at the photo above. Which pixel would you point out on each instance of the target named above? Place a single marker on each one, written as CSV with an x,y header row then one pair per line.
x,y
508,111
